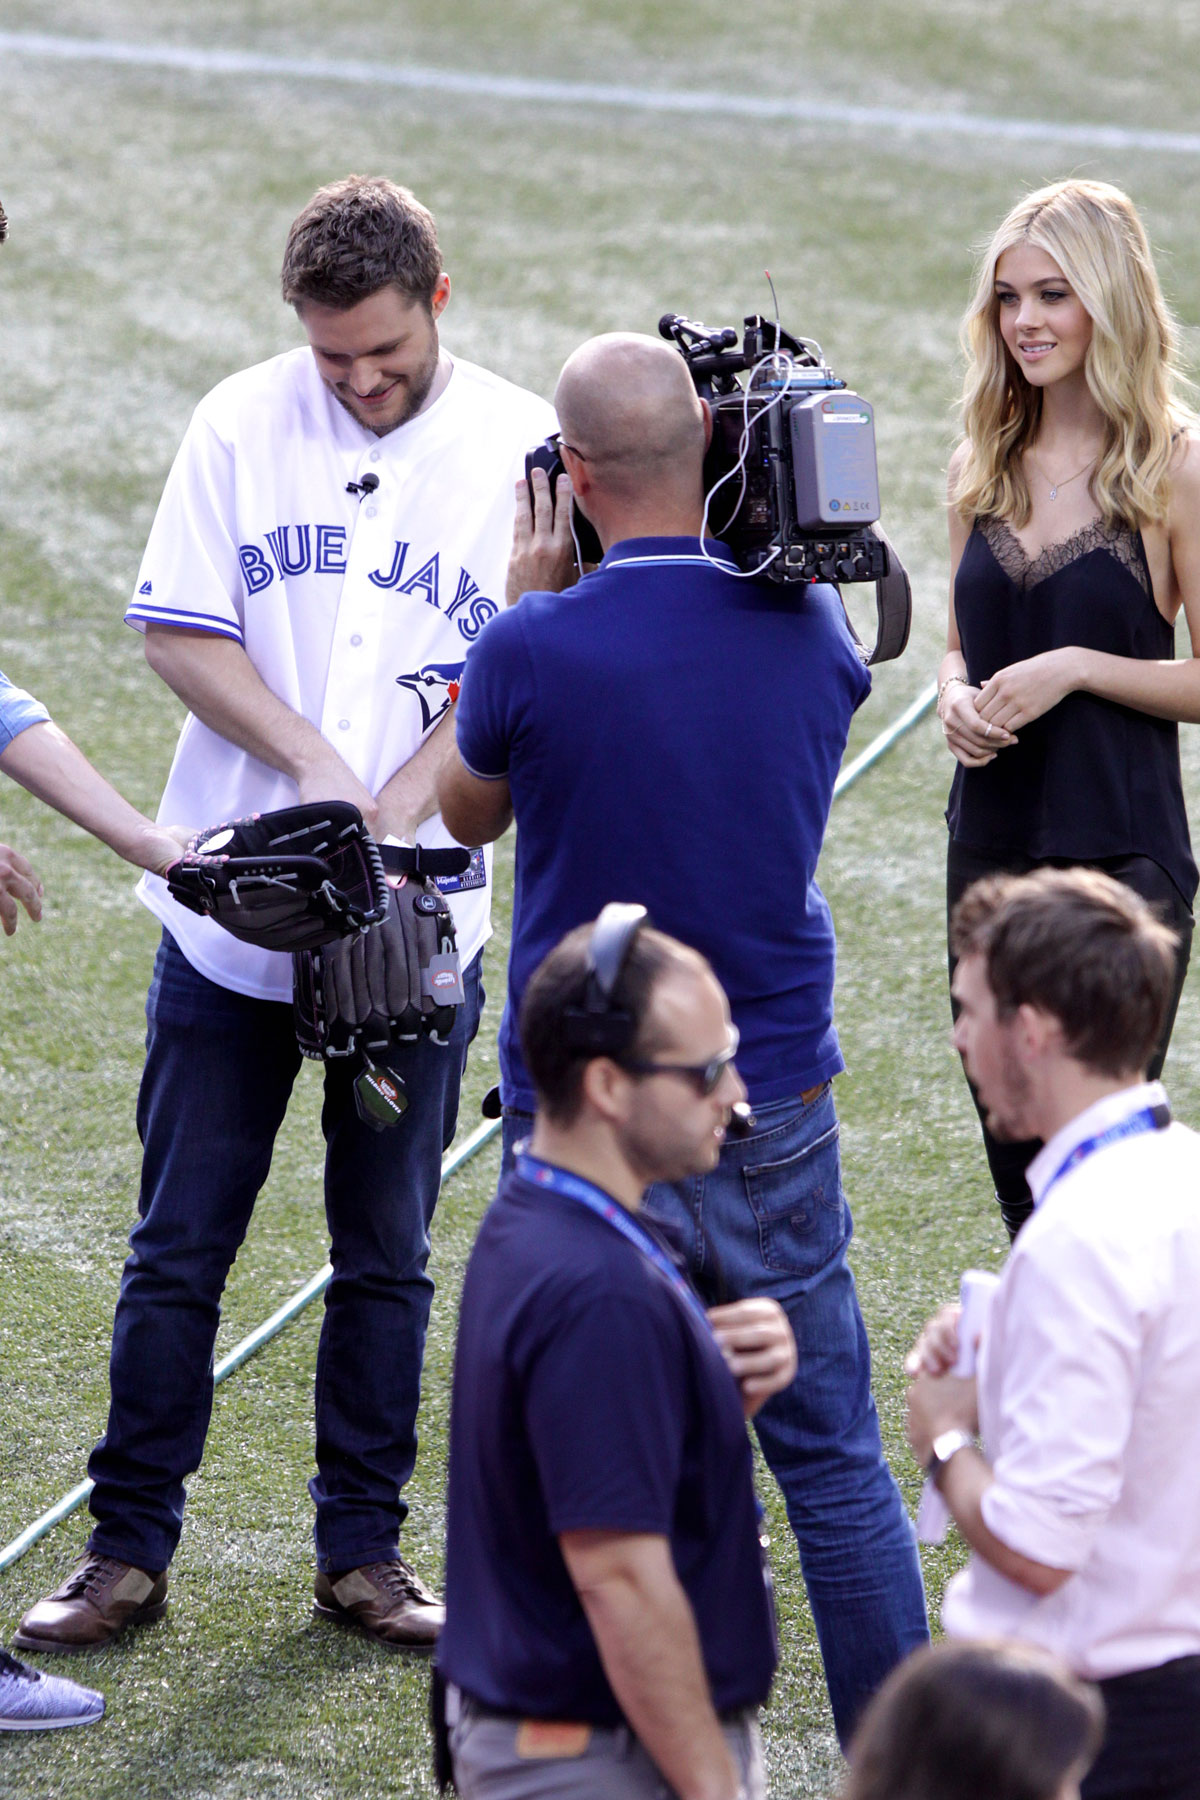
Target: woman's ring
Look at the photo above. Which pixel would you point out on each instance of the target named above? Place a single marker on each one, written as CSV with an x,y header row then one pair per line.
x,y
988,732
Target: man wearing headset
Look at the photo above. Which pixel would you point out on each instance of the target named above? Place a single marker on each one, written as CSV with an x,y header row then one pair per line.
x,y
668,732
607,1606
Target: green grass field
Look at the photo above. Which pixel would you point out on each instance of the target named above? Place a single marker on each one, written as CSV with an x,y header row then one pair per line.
x,y
148,210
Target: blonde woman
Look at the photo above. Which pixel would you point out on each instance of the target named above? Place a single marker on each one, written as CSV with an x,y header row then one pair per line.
x,y
1074,507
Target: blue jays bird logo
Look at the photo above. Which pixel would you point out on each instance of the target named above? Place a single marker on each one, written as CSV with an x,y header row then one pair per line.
x,y
435,686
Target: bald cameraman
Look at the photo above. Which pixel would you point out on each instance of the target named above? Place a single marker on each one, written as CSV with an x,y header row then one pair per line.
x,y
669,732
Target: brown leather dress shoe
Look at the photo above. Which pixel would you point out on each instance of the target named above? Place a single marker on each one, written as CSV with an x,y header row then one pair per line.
x,y
387,1600
98,1599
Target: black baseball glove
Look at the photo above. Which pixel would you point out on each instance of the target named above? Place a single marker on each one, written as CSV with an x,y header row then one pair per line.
x,y
288,880
396,982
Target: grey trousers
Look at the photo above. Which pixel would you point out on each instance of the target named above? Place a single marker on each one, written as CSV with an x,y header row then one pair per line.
x,y
502,1759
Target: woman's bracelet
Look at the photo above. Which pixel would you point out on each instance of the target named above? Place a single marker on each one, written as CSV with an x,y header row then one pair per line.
x,y
949,682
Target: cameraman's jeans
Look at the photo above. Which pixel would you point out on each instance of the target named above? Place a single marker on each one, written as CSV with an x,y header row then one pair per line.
x,y
772,1219
219,1071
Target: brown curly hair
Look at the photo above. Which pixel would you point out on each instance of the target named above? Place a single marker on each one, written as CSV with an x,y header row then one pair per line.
x,y
356,236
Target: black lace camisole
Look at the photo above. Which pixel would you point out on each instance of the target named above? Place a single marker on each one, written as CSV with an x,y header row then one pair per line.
x,y
1089,779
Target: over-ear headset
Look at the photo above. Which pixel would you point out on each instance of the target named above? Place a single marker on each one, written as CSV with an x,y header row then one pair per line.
x,y
598,1027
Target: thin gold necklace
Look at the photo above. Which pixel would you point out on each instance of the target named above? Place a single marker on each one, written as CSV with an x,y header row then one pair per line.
x,y
1067,479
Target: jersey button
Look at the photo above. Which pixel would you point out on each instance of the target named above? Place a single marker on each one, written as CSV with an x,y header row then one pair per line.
x,y
356,640
374,456
343,724
371,511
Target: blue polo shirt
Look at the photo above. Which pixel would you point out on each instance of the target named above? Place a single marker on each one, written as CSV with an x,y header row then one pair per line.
x,y
588,1395
18,711
671,734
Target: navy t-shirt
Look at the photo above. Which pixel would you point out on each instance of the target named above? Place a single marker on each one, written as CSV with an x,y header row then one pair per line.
x,y
588,1395
671,735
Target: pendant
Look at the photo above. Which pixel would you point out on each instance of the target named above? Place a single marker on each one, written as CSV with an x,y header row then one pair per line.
x,y
1054,493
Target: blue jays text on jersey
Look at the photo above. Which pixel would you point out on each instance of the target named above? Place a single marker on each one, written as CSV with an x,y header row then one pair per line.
x,y
321,550
357,617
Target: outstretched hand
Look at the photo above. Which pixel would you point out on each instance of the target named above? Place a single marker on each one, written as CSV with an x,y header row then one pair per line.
x,y
164,845
17,883
543,552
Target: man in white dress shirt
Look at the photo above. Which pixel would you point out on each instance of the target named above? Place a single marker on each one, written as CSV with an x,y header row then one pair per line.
x,y
1082,1508
333,536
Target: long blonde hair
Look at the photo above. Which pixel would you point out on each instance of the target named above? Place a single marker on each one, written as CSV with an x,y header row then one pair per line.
x,y
1094,234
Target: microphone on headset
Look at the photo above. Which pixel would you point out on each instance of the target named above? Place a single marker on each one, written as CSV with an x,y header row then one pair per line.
x,y
741,1120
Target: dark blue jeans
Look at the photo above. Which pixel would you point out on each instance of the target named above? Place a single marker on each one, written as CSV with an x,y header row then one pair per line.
x,y
772,1219
219,1072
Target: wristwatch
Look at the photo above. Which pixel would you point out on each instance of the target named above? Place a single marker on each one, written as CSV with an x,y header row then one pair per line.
x,y
946,1445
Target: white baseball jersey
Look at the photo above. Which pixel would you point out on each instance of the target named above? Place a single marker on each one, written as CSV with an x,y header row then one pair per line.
x,y
357,611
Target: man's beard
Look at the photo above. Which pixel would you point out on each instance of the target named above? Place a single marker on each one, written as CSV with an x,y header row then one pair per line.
x,y
415,393
1011,1124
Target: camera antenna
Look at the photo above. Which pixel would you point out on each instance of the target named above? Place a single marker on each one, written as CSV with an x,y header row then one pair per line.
x,y
774,303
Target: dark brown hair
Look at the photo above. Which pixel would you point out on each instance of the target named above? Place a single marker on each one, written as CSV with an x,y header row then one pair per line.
x,y
1078,945
967,1721
559,983
356,236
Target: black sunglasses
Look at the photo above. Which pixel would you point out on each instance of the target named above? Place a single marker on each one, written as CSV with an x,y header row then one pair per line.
x,y
703,1076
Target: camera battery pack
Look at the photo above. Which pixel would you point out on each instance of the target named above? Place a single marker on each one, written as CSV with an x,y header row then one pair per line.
x,y
833,459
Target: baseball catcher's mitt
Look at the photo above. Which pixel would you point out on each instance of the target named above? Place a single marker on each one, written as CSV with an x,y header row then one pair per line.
x,y
288,880
396,982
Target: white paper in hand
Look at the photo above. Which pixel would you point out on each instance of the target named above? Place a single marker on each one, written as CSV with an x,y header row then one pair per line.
x,y
976,1291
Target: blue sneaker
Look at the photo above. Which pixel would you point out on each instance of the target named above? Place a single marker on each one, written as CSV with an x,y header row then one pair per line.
x,y
31,1701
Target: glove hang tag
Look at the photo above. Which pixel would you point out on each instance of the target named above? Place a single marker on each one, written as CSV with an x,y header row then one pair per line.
x,y
380,1099
442,979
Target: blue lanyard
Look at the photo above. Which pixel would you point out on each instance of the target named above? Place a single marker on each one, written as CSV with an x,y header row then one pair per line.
x,y
574,1187
1150,1118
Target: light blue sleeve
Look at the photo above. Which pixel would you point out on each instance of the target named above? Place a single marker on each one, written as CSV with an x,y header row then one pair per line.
x,y
18,710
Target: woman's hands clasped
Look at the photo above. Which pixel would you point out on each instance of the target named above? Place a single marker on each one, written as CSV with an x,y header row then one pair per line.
x,y
974,740
1015,696
979,722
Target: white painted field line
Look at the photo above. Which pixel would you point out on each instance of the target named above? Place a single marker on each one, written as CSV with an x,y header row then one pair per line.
x,y
880,745
72,1501
891,119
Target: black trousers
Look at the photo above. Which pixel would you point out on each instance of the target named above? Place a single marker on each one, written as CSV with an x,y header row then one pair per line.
x,y
1151,1748
964,865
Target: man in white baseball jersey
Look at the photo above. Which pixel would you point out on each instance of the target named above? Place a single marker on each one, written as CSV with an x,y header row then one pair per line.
x,y
332,538
1080,1508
